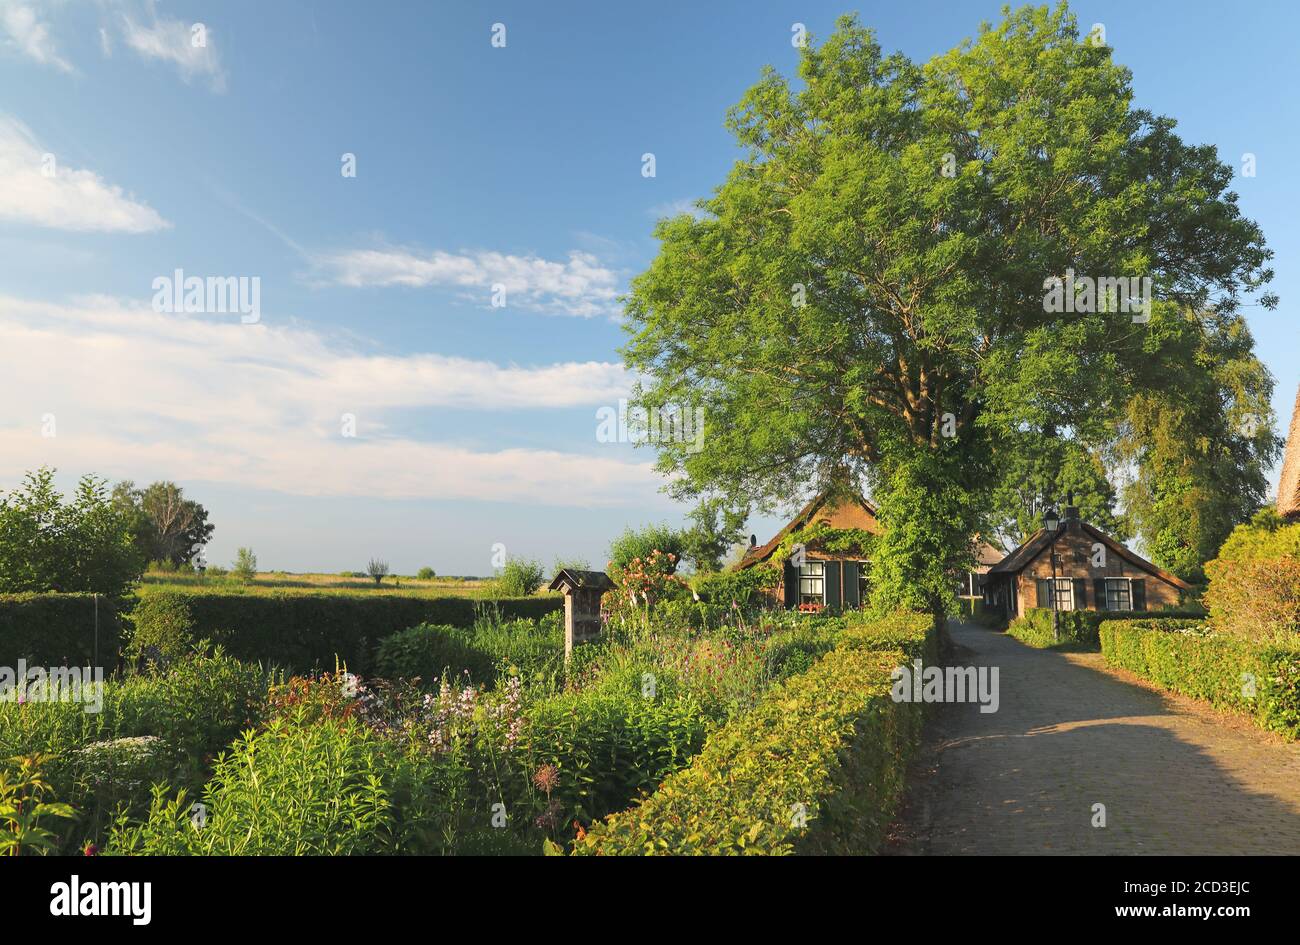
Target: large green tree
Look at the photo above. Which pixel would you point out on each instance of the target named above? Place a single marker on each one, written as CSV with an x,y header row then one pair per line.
x,y
81,544
867,292
166,525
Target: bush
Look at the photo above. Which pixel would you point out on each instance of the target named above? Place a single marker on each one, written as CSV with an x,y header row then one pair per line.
x,y
1254,589
520,578
291,789
1186,657
817,766
609,748
1078,627
426,574
58,630
244,567
304,632
184,715
428,651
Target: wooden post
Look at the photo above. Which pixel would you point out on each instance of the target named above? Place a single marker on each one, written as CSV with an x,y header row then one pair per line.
x,y
582,592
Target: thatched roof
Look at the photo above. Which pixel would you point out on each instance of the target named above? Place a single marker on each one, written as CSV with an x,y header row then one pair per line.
x,y
1288,489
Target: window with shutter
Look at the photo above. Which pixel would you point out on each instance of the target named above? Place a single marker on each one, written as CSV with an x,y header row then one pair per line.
x,y
1099,593
1139,594
1080,593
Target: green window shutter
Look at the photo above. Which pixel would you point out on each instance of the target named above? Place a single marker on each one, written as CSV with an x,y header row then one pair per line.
x,y
1139,594
791,585
1042,599
833,584
851,598
1099,591
1081,594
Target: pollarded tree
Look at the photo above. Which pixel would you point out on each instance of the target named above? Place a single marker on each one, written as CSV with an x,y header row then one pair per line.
x,y
868,291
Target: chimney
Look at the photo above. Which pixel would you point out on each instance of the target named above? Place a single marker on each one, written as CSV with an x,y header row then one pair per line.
x,y
1071,512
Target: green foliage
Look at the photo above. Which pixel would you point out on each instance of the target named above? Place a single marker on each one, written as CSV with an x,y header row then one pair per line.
x,y
165,526
80,546
715,529
817,766
1038,469
517,647
640,543
520,577
302,632
1078,628
1254,589
25,808
58,630
863,296
1259,679
244,567
426,574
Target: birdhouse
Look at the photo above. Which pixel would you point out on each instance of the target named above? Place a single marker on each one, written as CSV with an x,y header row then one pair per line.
x,y
582,592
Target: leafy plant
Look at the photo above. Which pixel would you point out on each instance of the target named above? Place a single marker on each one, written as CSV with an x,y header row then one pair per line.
x,y
244,567
23,807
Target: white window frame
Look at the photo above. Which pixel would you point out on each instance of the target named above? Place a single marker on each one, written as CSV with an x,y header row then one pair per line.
x,y
1063,600
812,574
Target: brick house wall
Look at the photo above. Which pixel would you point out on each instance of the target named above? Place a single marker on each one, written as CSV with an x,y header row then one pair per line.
x,y
1074,550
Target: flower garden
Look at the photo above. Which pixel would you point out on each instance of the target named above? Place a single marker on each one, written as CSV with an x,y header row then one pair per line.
x,y
694,728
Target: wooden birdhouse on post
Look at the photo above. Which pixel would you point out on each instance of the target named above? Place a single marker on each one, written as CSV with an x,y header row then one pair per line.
x,y
582,593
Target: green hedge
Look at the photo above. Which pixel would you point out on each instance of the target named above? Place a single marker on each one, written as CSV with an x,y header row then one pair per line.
x,y
816,767
58,630
1078,627
304,632
428,651
1184,656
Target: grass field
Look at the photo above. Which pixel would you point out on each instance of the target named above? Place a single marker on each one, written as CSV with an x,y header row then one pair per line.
x,y
267,582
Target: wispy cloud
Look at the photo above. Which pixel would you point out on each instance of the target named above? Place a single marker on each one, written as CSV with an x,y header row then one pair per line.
x,y
35,190
30,34
676,208
187,46
579,285
137,393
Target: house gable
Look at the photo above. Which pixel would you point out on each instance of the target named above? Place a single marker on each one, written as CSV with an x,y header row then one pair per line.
x,y
848,512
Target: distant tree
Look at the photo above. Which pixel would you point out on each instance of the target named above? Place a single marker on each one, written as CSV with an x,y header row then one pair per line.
x,y
166,525
426,574
377,570
716,527
245,566
83,545
520,577
572,564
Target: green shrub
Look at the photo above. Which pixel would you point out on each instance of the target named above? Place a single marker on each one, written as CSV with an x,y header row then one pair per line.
x,y
817,766
426,574
1078,628
58,630
289,790
1186,657
520,578
428,651
1254,584
305,632
608,748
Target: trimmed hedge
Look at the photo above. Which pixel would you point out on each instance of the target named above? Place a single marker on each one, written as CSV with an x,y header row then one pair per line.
x,y
305,632
816,767
58,630
429,650
1186,657
1079,627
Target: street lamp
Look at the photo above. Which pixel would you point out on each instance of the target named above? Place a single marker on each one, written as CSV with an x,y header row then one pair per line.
x,y
1051,522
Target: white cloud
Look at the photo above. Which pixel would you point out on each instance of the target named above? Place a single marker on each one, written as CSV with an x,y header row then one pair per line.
x,y
67,199
30,34
578,286
188,46
136,394
676,208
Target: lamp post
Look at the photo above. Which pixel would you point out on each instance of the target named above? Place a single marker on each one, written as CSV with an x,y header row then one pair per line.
x,y
1051,522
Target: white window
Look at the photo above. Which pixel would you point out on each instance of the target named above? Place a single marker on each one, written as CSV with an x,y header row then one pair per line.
x,y
812,582
1119,594
1064,593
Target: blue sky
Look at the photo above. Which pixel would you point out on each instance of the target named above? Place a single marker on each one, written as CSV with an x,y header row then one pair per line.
x,y
475,166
